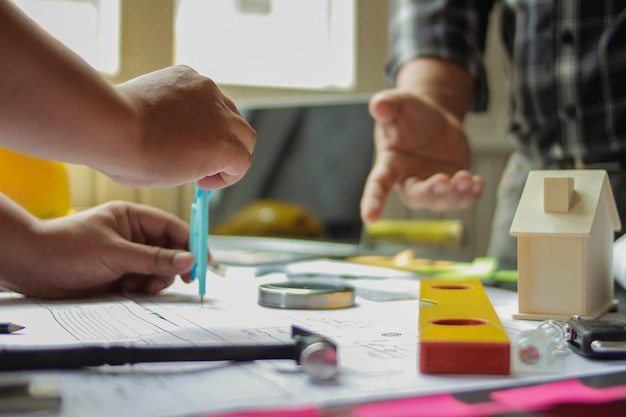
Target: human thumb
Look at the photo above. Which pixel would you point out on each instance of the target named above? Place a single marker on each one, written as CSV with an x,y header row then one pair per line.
x,y
385,105
155,260
182,261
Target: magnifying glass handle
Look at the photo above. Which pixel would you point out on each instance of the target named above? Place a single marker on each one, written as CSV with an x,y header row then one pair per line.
x,y
316,354
84,356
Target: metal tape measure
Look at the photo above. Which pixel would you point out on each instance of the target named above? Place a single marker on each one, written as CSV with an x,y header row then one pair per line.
x,y
306,295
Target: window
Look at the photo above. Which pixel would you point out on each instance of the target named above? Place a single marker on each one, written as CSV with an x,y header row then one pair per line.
x,y
90,27
280,43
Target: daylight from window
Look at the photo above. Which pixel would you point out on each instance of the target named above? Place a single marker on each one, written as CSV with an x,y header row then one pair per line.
x,y
279,43
89,27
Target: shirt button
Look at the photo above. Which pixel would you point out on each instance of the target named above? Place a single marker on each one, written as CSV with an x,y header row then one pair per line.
x,y
567,37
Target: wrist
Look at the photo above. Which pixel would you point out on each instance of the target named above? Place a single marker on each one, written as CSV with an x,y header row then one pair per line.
x,y
116,157
19,254
441,83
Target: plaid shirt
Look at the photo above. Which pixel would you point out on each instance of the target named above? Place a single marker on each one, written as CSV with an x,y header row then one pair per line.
x,y
567,78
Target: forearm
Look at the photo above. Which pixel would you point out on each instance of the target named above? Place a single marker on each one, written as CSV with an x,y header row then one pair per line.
x,y
49,95
445,84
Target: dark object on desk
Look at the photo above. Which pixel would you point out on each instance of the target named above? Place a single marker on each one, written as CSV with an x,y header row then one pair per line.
x,y
601,339
20,394
316,354
6,328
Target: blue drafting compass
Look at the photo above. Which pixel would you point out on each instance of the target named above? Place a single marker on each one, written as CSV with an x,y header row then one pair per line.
x,y
198,238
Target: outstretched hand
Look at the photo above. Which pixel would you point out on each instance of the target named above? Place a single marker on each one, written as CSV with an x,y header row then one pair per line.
x,y
423,152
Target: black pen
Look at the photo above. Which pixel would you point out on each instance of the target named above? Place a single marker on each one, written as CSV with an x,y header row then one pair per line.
x,y
9,328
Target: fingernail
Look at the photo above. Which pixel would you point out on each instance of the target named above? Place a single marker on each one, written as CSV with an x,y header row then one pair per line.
x,y
463,186
440,188
183,261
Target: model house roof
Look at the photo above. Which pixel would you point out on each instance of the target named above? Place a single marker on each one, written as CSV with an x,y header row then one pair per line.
x,y
563,202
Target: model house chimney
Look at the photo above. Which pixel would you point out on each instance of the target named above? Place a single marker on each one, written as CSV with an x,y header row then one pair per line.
x,y
557,194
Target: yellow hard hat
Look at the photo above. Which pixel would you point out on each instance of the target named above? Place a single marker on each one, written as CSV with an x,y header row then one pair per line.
x,y
266,217
38,185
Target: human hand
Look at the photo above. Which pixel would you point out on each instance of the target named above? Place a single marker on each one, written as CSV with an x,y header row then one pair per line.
x,y
189,131
113,247
423,152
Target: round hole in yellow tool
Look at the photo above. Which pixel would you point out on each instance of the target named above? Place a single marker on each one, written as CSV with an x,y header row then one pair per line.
x,y
452,286
460,322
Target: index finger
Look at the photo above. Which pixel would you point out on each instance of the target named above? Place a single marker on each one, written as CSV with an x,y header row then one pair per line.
x,y
244,133
375,192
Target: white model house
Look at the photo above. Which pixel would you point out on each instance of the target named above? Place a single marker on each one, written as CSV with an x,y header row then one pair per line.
x,y
565,225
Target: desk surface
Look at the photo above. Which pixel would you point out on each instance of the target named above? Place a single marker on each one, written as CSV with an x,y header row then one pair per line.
x,y
377,342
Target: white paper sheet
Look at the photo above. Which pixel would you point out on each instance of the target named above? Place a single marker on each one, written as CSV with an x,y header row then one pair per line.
x,y
378,349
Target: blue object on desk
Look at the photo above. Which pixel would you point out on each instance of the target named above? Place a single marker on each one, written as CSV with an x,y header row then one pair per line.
x,y
198,238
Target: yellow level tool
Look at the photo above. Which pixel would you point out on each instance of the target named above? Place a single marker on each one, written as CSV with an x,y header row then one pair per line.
x,y
459,330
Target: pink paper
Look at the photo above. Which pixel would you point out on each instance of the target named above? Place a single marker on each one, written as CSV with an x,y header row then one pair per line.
x,y
445,405
441,405
546,395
